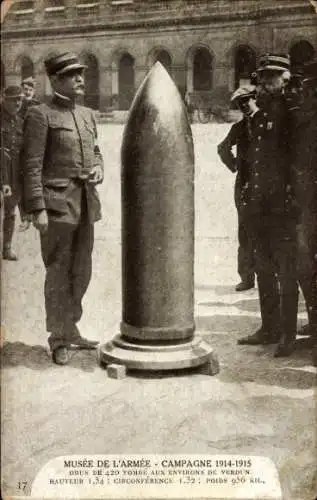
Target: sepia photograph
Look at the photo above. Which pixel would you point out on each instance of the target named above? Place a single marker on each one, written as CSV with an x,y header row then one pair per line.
x,y
158,264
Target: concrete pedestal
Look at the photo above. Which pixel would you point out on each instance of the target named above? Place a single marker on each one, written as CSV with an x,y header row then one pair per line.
x,y
189,354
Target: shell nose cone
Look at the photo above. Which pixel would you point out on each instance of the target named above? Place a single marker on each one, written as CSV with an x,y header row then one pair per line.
x,y
158,89
157,115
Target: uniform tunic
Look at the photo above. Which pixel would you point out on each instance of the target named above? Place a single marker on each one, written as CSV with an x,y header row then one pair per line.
x,y
270,211
304,162
239,136
11,142
60,151
26,104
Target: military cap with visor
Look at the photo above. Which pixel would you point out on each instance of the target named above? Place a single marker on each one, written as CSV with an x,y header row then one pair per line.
x,y
274,62
63,63
243,92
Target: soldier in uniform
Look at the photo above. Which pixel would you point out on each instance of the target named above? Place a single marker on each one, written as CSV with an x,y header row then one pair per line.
x,y
304,155
29,99
62,165
271,211
28,87
11,142
240,136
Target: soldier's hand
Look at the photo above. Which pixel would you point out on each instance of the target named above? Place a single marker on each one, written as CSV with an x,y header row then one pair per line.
x,y
96,175
40,221
6,189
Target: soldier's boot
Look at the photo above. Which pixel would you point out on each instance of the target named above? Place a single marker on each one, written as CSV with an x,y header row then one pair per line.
x,y
8,230
270,331
289,307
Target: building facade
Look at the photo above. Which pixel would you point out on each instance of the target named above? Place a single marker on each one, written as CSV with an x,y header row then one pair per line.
x,y
208,46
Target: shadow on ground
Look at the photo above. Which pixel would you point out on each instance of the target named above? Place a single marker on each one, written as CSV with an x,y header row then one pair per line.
x,y
247,304
37,357
237,363
242,363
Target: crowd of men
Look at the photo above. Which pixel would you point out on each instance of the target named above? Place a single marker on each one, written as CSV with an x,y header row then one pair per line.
x,y
56,165
276,196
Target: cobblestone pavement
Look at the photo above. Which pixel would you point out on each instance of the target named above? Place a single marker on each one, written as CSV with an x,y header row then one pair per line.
x,y
257,405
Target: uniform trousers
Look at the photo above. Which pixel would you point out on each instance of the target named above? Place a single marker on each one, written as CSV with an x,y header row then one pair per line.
x,y
307,268
245,248
245,252
275,250
67,256
10,204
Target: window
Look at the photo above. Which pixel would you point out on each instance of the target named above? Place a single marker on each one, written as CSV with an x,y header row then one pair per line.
x,y
121,2
23,8
85,7
202,70
54,7
245,65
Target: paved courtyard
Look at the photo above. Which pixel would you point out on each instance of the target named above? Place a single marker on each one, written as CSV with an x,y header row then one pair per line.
x,y
256,405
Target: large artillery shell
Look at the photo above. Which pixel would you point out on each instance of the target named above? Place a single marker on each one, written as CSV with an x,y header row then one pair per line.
x,y
158,213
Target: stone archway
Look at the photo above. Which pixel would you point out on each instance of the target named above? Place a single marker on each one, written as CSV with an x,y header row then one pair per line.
x,y
244,65
202,70
92,93
126,81
47,88
301,52
164,57
3,76
26,67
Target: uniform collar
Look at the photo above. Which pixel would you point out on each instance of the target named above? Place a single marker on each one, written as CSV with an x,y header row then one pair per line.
x,y
63,101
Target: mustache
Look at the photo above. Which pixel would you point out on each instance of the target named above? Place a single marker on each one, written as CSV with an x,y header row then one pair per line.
x,y
80,86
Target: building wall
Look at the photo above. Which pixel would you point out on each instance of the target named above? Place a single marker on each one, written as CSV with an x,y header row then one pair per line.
x,y
213,29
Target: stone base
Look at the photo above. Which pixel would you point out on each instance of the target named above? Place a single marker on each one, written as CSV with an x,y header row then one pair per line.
x,y
134,356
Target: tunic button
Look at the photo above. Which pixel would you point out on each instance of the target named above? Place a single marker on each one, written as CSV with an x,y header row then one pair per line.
x,y
256,186
259,137
261,125
256,149
256,174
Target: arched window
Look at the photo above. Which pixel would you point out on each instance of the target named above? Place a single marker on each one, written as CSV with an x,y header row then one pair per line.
x,y
126,81
301,52
3,78
244,65
202,70
91,98
27,67
165,59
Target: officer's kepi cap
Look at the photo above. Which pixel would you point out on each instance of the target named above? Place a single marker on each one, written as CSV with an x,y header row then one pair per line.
x,y
243,92
274,62
63,63
13,92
